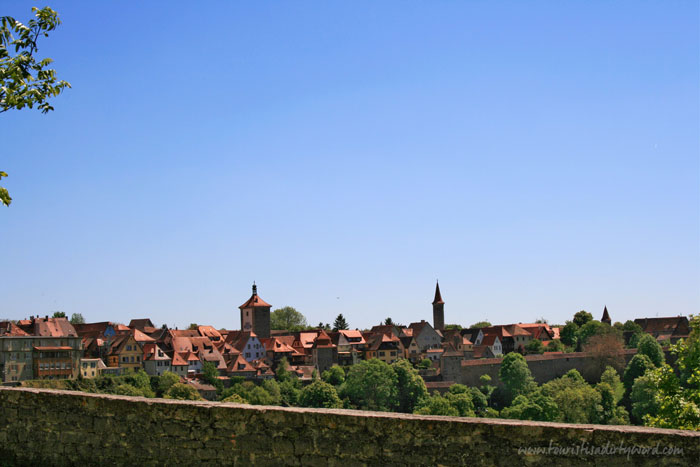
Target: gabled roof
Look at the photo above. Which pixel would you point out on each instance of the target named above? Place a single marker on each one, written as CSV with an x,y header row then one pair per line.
x,y
490,339
151,351
677,325
54,327
240,365
419,327
141,323
322,341
8,328
210,332
239,339
388,329
178,359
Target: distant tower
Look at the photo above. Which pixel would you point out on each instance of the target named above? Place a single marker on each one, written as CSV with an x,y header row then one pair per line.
x,y
606,317
255,315
438,310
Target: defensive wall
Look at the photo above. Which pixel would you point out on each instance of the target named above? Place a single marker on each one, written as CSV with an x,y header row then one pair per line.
x,y
545,367
51,427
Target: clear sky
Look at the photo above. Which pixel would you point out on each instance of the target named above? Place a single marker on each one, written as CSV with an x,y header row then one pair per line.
x,y
538,158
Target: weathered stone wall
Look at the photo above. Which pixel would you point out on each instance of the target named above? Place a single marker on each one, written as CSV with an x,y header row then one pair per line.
x,y
48,427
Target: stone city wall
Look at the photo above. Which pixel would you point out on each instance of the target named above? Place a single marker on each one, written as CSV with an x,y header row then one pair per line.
x,y
51,427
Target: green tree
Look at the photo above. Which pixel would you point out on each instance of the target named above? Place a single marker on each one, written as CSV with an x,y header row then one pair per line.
x,y
610,413
166,381
273,389
59,314
290,392
335,375
183,392
534,346
371,385
211,375
437,405
127,390
77,318
635,330
193,326
234,398
515,375
425,364
449,327
569,334
26,81
582,317
577,401
638,366
388,322
282,372
648,346
410,386
611,377
534,406
480,324
340,323
460,397
286,318
555,345
320,394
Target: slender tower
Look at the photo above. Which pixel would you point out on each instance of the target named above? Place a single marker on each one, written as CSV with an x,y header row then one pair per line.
x,y
438,310
606,317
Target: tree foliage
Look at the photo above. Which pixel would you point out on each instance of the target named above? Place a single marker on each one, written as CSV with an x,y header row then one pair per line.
x,y
320,394
287,318
410,386
183,392
334,376
340,323
26,81
582,317
515,375
647,345
480,324
77,318
59,314
371,385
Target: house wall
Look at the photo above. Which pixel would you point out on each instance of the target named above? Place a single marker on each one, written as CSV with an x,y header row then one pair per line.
x,y
98,429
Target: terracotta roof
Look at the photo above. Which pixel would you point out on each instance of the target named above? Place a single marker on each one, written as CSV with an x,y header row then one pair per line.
x,y
255,300
7,328
141,324
56,347
178,359
184,333
387,329
418,327
489,339
322,341
240,365
140,337
438,297
54,327
210,332
677,325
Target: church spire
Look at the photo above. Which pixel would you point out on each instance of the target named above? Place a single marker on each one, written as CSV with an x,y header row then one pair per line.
x,y
255,289
606,316
438,297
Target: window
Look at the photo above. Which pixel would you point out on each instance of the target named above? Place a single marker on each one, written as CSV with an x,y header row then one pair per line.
x,y
381,353
247,355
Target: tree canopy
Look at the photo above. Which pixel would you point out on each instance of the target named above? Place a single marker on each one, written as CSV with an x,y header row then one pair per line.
x,y
287,318
340,323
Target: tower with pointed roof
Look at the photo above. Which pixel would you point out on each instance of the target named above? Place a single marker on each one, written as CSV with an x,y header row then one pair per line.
x,y
255,315
438,310
606,317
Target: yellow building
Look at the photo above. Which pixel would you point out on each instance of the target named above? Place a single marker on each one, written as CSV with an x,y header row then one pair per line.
x,y
125,352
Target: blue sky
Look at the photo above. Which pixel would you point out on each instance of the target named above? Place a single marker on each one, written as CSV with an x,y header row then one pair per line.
x,y
537,157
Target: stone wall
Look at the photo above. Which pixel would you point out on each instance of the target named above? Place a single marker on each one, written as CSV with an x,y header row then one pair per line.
x,y
49,427
545,367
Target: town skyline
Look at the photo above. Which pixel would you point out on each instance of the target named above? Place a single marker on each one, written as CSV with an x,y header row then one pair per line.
x,y
534,168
